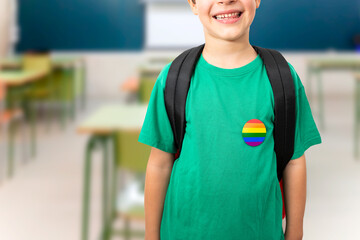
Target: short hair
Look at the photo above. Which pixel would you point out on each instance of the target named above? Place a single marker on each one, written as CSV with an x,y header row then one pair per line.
x,y
194,1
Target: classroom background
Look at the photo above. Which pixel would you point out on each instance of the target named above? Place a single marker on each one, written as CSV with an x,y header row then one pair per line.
x,y
75,80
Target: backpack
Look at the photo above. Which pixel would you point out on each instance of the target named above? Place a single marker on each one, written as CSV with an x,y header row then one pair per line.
x,y
177,87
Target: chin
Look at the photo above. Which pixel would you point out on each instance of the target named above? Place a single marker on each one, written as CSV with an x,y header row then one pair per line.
x,y
230,37
226,35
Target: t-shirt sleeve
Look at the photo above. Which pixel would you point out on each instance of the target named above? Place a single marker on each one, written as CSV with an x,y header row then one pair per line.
x,y
156,130
306,131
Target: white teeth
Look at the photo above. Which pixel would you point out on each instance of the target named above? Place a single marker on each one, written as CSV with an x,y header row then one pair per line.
x,y
221,16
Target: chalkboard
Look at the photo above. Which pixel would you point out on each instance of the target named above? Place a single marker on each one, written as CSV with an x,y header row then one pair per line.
x,y
306,24
81,25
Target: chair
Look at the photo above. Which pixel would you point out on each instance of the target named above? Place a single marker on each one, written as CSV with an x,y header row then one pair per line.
x,y
69,81
8,119
127,154
43,91
80,86
146,84
132,156
131,87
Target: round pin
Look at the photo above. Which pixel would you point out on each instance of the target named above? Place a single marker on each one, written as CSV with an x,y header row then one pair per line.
x,y
254,132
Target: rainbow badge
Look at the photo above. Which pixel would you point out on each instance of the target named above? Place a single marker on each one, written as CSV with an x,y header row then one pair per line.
x,y
254,132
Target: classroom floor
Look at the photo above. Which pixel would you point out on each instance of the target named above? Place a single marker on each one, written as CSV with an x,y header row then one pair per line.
x,y
43,200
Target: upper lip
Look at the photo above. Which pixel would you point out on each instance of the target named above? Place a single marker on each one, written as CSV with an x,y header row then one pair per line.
x,y
227,12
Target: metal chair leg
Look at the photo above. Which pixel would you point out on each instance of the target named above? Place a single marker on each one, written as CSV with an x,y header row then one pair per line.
x,y
127,232
87,187
10,163
106,230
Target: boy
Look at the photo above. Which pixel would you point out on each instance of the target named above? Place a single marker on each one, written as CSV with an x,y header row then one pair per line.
x,y
221,187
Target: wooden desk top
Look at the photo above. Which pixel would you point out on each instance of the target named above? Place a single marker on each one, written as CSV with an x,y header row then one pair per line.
x,y
115,117
17,78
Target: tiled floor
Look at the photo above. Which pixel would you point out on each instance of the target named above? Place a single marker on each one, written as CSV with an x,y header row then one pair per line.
x,y
42,201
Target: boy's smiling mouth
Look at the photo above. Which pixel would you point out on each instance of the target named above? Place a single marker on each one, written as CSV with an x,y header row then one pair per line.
x,y
228,16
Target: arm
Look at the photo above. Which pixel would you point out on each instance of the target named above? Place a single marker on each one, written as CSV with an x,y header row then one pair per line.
x,y
295,197
157,177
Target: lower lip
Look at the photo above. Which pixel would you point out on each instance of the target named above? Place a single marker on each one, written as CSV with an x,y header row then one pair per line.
x,y
228,20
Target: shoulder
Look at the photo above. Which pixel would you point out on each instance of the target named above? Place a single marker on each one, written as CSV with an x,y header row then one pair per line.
x,y
297,81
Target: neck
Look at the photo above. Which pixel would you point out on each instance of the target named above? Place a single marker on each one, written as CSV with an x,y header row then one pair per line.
x,y
228,54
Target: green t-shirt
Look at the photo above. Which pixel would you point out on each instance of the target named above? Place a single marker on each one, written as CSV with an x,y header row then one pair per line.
x,y
221,187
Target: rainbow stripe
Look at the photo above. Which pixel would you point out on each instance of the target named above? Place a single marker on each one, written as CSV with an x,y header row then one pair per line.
x,y
254,132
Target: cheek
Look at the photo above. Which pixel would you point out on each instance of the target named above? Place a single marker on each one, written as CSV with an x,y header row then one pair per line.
x,y
207,23
205,17
251,7
204,8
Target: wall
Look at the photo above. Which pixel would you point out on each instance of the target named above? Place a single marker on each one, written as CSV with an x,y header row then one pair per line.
x,y
4,27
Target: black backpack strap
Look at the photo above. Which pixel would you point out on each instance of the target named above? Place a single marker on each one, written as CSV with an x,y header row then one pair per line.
x,y
282,84
176,90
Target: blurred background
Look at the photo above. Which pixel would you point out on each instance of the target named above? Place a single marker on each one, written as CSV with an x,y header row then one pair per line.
x,y
75,79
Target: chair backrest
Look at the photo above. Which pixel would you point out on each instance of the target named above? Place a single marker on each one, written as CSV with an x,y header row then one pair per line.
x,y
145,88
2,91
147,79
2,100
2,96
130,154
37,61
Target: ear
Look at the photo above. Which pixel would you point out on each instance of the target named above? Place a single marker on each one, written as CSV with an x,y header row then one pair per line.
x,y
193,7
258,3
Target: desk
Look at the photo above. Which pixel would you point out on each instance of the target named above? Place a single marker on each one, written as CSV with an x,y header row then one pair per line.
x,y
17,83
102,126
317,65
67,64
